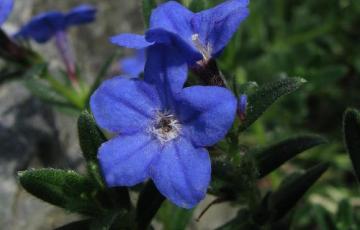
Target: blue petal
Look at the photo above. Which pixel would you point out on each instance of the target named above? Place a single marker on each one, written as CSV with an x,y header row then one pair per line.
x,y
125,159
170,23
124,106
133,66
172,17
130,41
182,172
207,113
184,47
80,15
166,69
217,25
6,7
43,27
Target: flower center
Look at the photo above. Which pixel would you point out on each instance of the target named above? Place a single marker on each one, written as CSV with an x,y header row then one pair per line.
x,y
165,127
204,50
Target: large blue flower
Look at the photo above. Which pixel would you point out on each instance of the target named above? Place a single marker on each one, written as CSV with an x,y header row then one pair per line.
x,y
199,36
6,7
161,128
44,26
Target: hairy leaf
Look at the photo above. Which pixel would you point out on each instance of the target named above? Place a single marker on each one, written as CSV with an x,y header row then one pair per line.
x,y
62,188
260,100
274,156
352,138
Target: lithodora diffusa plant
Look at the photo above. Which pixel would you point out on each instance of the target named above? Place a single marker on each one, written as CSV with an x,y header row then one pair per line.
x,y
175,133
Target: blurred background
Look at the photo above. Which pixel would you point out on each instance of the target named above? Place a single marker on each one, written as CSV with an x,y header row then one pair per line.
x,y
316,40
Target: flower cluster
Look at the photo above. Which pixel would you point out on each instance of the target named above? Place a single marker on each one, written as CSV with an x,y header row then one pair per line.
x,y
161,128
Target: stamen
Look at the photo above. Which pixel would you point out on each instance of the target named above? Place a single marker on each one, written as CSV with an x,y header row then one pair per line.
x,y
204,50
165,127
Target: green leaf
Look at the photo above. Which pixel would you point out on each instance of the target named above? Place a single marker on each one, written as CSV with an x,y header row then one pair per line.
x,y
34,81
285,198
274,156
345,218
76,225
90,136
352,138
116,198
102,222
173,217
9,75
40,89
266,95
147,7
148,204
65,189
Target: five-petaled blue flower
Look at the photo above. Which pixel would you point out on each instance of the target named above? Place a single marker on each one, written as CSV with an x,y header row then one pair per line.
x,y
44,26
133,66
161,128
6,7
199,36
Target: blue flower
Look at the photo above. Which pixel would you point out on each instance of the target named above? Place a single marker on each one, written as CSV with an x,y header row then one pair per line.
x,y
199,36
133,66
161,128
6,7
44,26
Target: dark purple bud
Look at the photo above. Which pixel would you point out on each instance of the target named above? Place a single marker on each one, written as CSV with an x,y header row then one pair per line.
x,y
242,104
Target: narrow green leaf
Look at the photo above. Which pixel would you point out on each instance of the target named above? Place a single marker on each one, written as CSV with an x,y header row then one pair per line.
x,y
65,189
148,204
147,7
44,92
76,225
104,222
9,75
90,136
266,95
13,52
116,198
324,220
352,138
344,216
274,156
285,198
173,217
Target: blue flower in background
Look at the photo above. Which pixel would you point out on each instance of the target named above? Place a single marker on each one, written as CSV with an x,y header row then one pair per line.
x,y
161,128
6,7
199,36
51,24
133,66
44,26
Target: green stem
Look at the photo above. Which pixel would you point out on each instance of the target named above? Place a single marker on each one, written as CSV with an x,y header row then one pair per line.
x,y
69,94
